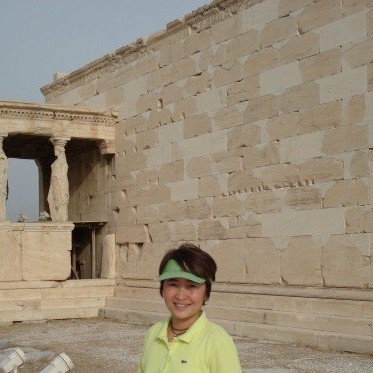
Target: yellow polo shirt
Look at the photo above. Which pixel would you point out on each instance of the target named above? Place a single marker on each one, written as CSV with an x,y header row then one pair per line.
x,y
204,348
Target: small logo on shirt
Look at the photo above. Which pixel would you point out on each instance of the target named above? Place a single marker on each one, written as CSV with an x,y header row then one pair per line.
x,y
183,361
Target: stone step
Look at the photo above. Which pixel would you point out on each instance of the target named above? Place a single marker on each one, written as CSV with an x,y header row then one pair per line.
x,y
287,334
350,325
31,301
297,304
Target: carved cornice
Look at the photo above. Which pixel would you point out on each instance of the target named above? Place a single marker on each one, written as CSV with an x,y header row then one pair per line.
x,y
199,19
14,110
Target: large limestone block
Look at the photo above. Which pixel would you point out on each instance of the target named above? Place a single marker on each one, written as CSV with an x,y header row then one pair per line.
x,y
258,15
152,195
276,80
243,45
108,256
212,186
262,261
285,7
184,68
184,190
359,54
10,254
305,222
173,211
171,172
303,198
260,61
197,84
355,219
346,138
260,108
343,31
298,48
347,193
257,156
263,201
45,265
344,84
301,262
227,205
147,139
198,209
200,166
159,78
226,29
300,97
246,89
230,164
319,170
302,147
146,64
282,126
158,117
321,117
160,232
280,176
243,181
134,234
147,214
230,260
278,30
169,94
245,135
343,264
196,42
321,65
184,231
228,117
197,125
212,229
320,13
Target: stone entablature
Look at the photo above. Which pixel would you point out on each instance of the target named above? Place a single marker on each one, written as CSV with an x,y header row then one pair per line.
x,y
58,121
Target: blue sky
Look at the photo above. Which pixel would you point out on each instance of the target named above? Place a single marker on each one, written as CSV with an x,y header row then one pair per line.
x,y
41,37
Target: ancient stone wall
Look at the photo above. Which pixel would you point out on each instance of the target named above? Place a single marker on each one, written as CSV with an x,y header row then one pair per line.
x,y
245,127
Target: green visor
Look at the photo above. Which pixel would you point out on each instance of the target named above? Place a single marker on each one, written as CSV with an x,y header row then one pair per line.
x,y
173,270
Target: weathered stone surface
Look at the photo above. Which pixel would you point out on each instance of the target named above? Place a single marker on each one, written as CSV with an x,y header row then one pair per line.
x,y
261,108
359,166
282,126
197,125
303,198
11,265
260,61
172,172
319,170
198,167
243,45
147,214
198,209
243,181
347,193
243,90
280,176
359,54
343,264
355,219
301,262
262,261
285,7
228,73
184,231
278,30
208,186
355,109
173,211
247,134
321,117
321,65
264,201
228,117
300,97
225,206
197,84
318,14
346,138
212,229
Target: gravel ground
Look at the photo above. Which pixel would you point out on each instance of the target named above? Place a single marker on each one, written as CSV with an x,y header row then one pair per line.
x,y
99,345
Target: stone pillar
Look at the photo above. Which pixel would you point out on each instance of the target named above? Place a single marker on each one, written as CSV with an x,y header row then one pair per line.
x,y
3,180
58,195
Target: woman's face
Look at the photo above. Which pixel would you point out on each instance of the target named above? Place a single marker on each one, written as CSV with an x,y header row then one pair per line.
x,y
184,299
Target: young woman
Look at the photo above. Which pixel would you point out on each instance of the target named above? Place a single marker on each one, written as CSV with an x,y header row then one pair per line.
x,y
187,341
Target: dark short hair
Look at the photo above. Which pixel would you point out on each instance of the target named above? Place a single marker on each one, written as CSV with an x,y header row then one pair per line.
x,y
191,259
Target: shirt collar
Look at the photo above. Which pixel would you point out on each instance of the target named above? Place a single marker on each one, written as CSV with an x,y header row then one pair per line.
x,y
194,330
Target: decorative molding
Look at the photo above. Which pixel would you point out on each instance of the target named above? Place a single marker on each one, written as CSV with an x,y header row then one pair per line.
x,y
9,109
176,30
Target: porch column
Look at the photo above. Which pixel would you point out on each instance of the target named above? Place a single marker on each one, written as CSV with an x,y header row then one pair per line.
x,y
3,179
58,195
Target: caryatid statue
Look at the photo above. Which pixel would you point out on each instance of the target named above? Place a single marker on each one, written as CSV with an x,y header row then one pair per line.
x,y
58,195
3,180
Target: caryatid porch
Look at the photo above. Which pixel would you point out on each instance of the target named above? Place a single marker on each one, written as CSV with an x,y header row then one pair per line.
x,y
41,250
